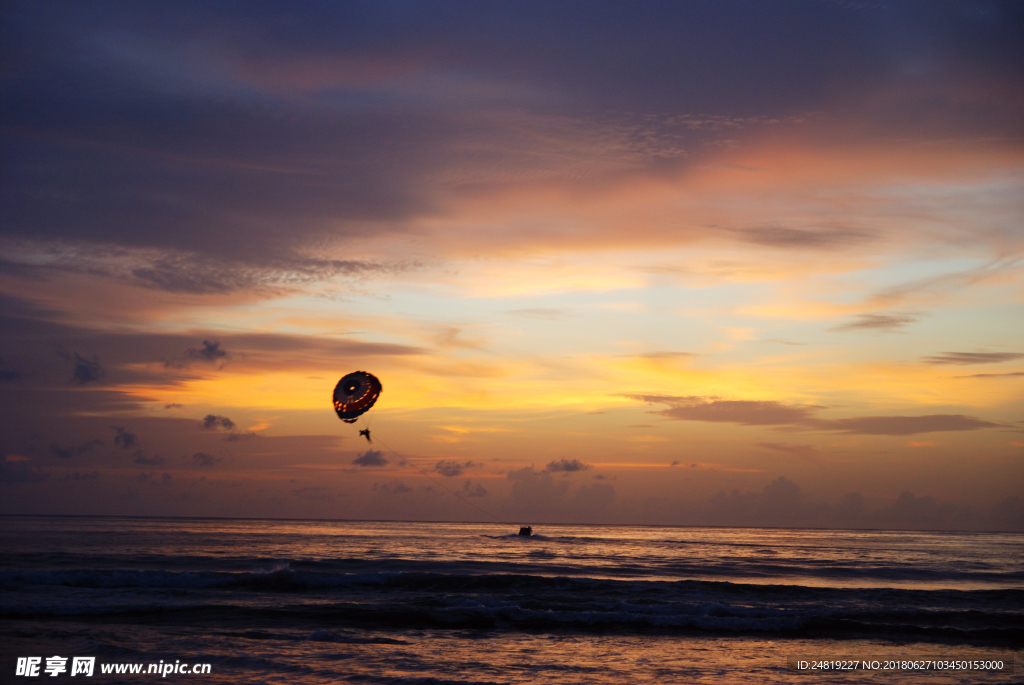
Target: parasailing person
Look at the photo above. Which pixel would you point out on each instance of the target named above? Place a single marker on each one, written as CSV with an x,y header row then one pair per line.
x,y
354,395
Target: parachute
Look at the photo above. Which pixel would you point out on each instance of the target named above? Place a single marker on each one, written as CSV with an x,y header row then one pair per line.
x,y
354,394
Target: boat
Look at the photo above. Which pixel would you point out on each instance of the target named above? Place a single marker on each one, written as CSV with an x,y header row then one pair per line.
x,y
526,531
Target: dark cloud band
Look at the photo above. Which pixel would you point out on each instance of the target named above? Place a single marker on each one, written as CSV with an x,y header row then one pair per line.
x,y
770,413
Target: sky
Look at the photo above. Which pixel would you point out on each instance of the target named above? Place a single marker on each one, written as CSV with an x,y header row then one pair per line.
x,y
668,263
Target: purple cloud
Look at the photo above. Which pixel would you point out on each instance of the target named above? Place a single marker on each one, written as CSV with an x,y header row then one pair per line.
x,y
370,458
962,358
771,413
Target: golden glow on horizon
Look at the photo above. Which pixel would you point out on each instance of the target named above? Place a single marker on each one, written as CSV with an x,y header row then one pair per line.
x,y
598,382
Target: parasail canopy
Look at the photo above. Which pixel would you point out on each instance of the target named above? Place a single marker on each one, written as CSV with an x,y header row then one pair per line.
x,y
354,394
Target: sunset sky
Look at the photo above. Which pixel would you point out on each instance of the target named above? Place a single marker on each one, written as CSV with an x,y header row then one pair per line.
x,y
714,262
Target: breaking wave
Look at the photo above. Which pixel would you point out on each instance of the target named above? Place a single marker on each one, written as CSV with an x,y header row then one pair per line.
x,y
419,600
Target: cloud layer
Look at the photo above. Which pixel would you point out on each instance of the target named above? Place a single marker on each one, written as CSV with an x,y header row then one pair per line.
x,y
769,221
771,413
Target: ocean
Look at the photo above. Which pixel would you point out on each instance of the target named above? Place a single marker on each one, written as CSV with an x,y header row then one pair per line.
x,y
274,601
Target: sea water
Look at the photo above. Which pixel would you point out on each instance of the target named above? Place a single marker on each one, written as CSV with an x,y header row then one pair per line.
x,y
270,601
